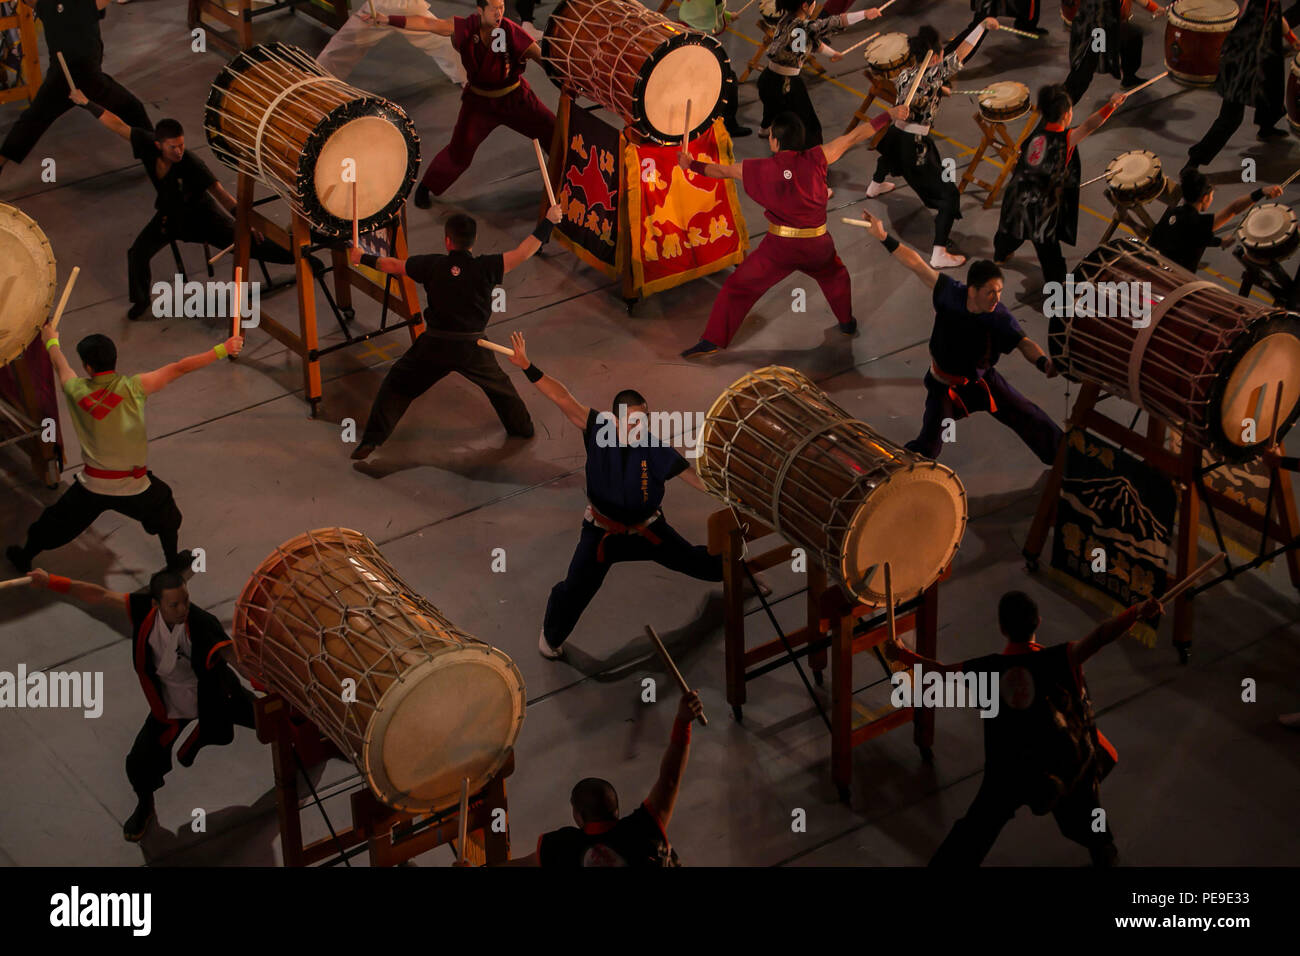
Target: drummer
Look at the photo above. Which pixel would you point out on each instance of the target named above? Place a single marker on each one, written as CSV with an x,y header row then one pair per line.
x,y
107,412
184,662
908,149
1252,71
1122,53
1041,202
1026,13
497,93
972,329
625,486
357,37
1185,231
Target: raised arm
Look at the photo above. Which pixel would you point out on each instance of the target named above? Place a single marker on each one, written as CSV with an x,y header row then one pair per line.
x,y
61,367
895,650
528,248
1034,355
861,133
1113,629
1093,122
1242,203
968,45
110,120
573,409
83,591
663,795
902,252
159,379
712,170
419,24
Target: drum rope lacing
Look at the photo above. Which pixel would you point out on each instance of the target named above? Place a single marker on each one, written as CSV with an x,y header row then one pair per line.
x,y
266,115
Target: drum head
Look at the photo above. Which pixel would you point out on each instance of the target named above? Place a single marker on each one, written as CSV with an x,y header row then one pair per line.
x,y
914,520
690,71
379,152
1133,170
1268,224
1204,11
27,278
453,717
1005,94
887,52
1251,392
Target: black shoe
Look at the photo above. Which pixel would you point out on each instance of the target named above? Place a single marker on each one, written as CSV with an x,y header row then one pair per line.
x,y
18,558
850,327
135,825
363,451
187,754
137,310
182,562
700,349
737,132
1271,133
1128,82
423,198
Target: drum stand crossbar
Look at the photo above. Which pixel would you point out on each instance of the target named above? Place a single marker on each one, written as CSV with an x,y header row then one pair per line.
x,y
1270,277
240,21
305,342
834,624
391,836
1131,214
1186,467
1007,151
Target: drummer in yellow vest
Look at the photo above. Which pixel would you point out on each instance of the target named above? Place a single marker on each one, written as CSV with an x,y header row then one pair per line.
x,y
107,411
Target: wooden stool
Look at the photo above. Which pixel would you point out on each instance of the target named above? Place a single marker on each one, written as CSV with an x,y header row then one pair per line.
x,y
833,623
762,48
29,77
392,836
1270,277
1131,214
879,89
1007,150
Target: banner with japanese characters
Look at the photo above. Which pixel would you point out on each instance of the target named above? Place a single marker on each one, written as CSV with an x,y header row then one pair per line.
x,y
681,225
588,194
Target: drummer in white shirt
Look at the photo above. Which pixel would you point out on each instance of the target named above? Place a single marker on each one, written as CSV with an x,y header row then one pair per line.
x,y
356,37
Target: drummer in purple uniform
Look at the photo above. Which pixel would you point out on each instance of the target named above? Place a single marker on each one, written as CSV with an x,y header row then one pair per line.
x,y
791,187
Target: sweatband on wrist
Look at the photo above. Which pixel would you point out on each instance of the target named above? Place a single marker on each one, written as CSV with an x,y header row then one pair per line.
x,y
1041,363
533,373
51,343
681,733
974,35
543,231
1129,617
369,260
890,243
852,17
94,109
1257,195
1106,110
59,583
881,121
220,350
397,21
697,167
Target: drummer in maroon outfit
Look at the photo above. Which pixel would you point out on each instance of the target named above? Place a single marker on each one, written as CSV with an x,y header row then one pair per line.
x,y
497,94
791,187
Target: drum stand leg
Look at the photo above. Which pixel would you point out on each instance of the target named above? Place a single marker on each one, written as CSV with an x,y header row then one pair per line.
x,y
1133,215
762,48
1004,148
883,90
1046,512
1268,276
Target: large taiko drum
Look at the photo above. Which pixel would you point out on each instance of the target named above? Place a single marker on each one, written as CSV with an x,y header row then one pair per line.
x,y
637,64
27,281
775,447
277,115
1193,38
432,704
1206,362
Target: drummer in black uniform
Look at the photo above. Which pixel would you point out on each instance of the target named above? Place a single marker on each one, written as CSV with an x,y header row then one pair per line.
x,y
626,475
1185,231
1122,53
1041,202
458,287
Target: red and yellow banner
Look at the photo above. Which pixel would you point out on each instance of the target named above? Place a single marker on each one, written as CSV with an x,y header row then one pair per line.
x,y
681,225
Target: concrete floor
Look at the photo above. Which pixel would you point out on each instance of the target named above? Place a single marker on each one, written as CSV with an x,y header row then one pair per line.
x,y
1203,779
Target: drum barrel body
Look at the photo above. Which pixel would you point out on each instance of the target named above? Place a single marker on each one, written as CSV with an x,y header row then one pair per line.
x,y
28,274
415,703
1194,36
775,447
1009,101
1206,361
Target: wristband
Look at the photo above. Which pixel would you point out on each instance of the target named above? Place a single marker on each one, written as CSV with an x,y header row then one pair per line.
x,y
94,109
543,231
974,36
681,733
855,16
1130,616
1041,363
220,350
1257,195
697,167
51,343
59,583
890,243
1105,111
368,260
397,21
881,121
533,373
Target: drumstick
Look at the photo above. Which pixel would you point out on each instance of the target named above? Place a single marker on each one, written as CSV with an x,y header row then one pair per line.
x,y
663,653
373,16
1277,412
463,822
1019,33
1146,84
886,6
16,582
1290,179
234,316
916,83
686,133
744,8
889,599
355,227
541,164
856,222
493,347
972,92
1093,180
214,259
66,72
63,300
1188,581
860,42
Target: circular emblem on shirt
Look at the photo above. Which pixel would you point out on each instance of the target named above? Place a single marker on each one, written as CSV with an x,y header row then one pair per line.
x,y
1037,146
455,270
1018,688
601,855
788,175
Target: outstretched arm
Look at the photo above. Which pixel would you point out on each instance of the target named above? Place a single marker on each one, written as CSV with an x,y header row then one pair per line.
x,y
896,651
968,45
1034,355
860,133
1113,629
528,248
1093,122
712,170
106,118
902,252
573,409
159,379
1242,203
83,591
419,24
663,795
61,366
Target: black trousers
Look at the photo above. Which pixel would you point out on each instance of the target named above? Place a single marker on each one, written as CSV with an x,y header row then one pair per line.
x,y
150,758
1050,257
76,510
1268,110
204,223
923,171
1035,428
587,572
777,99
427,362
526,10
996,803
51,102
1026,13
1130,58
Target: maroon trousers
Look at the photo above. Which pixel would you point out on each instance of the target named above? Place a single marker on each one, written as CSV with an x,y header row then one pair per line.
x,y
774,259
520,110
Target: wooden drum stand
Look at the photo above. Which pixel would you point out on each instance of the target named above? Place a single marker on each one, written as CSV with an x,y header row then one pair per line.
x,y
240,20
28,80
1007,151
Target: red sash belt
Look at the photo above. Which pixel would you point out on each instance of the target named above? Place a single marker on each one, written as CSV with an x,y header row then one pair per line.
x,y
610,526
139,471
955,382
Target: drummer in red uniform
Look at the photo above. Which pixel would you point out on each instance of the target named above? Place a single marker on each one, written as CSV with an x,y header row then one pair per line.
x,y
493,50
791,187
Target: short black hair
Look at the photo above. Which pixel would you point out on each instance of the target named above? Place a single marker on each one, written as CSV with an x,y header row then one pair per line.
x,y
982,271
629,397
481,3
925,41
789,131
787,7
167,129
595,800
462,230
1195,185
98,352
164,581
1018,616
1054,102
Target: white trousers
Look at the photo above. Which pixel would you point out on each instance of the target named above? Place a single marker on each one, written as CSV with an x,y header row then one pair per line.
x,y
355,38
